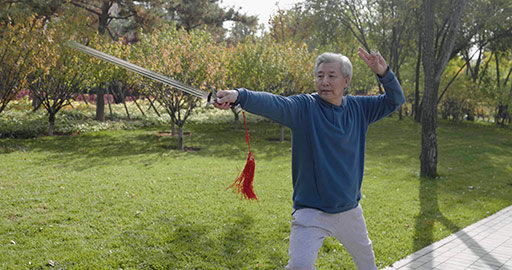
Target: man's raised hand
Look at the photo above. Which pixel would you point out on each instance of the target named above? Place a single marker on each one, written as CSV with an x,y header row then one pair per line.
x,y
375,61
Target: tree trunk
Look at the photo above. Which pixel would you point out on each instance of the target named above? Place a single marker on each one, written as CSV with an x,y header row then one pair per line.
x,y
108,101
180,138
236,121
173,128
138,106
84,98
36,102
433,68
151,105
120,90
103,17
496,56
428,156
281,128
51,120
100,104
416,107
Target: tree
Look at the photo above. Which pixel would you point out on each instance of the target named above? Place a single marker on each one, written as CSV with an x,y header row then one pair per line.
x,y
491,37
416,108
41,9
241,32
440,23
294,24
476,33
17,49
493,83
385,26
396,37
127,17
104,76
479,29
328,32
281,68
106,11
58,75
103,11
460,102
191,14
190,57
504,94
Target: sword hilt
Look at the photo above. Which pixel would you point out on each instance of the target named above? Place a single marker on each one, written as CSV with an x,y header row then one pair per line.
x,y
212,98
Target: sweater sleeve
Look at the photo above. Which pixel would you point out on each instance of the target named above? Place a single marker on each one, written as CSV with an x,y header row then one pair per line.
x,y
278,108
377,107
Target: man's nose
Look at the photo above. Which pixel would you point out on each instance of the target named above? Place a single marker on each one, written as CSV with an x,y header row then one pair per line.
x,y
325,81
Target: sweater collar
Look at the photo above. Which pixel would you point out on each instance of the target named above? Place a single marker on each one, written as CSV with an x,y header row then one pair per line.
x,y
325,103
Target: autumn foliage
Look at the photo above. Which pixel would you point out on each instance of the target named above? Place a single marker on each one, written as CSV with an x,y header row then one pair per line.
x,y
197,59
34,56
18,49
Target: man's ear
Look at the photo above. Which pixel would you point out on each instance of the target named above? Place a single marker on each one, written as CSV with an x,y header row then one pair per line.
x,y
347,80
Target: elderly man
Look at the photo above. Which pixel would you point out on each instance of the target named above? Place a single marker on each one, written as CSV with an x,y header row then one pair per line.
x,y
328,148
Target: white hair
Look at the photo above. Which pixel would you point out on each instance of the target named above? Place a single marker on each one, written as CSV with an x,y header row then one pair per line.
x,y
329,57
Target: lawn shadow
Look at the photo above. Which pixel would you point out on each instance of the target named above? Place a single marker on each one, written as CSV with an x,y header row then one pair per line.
x,y
235,240
107,148
430,214
168,243
90,150
428,219
225,142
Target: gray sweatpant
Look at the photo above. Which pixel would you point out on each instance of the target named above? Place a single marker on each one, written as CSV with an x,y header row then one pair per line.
x,y
311,226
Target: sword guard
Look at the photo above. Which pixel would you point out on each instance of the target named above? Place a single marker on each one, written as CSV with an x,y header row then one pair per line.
x,y
236,108
212,97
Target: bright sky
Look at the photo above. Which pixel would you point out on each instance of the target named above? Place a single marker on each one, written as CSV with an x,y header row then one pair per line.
x,y
261,8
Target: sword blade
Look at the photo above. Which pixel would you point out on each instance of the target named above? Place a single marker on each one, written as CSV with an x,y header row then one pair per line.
x,y
139,70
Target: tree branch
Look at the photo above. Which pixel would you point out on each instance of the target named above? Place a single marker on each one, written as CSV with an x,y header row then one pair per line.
x,y
451,81
446,48
80,5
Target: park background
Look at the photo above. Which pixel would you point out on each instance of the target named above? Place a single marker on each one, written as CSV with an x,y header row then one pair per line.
x,y
101,168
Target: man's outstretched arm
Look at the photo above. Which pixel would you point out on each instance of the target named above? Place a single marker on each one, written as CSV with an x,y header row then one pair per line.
x,y
278,108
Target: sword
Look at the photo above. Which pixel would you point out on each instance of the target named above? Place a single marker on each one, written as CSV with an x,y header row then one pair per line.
x,y
211,97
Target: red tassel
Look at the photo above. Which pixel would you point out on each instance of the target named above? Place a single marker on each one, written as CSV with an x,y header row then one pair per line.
x,y
243,183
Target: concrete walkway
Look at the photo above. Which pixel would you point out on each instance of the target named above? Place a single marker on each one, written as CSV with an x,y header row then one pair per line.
x,y
484,245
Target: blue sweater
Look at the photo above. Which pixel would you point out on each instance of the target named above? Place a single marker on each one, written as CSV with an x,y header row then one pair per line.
x,y
328,141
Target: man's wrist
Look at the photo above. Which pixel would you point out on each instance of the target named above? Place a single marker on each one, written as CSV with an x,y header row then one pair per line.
x,y
237,96
385,73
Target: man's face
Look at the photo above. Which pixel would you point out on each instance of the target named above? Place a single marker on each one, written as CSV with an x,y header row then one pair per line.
x,y
330,82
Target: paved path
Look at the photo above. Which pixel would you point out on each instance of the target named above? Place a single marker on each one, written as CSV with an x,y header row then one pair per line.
x,y
484,245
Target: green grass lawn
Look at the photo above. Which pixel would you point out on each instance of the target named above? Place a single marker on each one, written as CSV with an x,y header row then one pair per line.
x,y
131,200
